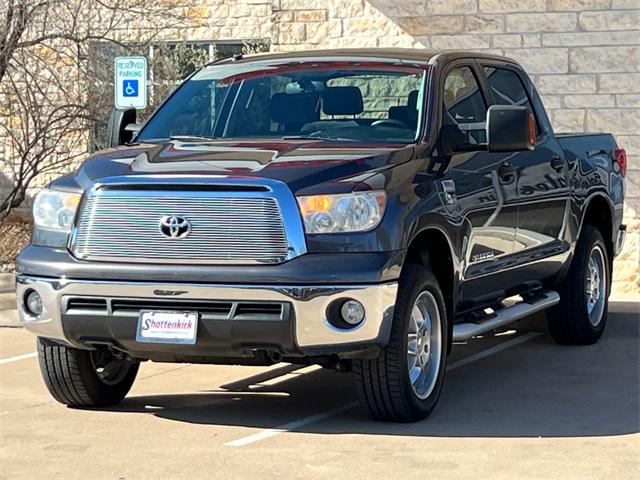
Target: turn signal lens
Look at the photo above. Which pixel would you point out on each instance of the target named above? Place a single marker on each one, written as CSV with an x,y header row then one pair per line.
x,y
532,131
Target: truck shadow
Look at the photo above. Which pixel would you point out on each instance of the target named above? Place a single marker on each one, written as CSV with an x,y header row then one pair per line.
x,y
536,389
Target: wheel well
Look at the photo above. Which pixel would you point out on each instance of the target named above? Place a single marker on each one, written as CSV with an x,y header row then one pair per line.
x,y
431,249
598,214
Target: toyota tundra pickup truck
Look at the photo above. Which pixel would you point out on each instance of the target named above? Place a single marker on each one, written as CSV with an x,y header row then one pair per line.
x,y
362,210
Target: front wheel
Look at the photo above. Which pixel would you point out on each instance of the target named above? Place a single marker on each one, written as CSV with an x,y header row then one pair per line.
x,y
403,384
85,378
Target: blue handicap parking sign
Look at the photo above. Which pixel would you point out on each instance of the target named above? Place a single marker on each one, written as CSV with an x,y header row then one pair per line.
x,y
130,88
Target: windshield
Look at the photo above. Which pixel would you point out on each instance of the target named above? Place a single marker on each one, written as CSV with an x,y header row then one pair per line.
x,y
364,102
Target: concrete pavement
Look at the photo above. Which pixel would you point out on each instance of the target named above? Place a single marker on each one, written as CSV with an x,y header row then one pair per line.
x,y
8,312
515,405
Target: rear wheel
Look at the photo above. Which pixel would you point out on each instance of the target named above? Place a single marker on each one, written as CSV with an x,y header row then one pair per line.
x,y
85,378
581,315
403,384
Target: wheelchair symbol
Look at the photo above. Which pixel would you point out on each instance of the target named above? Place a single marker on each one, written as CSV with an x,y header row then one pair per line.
x,y
130,88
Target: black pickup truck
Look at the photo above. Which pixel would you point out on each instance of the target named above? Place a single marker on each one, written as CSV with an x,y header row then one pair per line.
x,y
357,209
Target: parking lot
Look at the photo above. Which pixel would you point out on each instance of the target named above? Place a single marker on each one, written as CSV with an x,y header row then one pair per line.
x,y
515,405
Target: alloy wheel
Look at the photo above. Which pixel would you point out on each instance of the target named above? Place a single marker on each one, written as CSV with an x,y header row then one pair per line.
x,y
424,345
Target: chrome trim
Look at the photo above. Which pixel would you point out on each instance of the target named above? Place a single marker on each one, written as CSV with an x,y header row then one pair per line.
x,y
48,324
543,299
424,344
273,189
596,286
309,304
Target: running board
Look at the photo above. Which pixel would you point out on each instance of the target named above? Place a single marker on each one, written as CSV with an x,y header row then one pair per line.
x,y
541,300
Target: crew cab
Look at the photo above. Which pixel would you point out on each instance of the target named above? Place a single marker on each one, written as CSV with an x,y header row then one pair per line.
x,y
362,210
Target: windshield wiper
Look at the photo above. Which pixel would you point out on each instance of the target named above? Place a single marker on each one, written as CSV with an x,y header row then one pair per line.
x,y
192,138
308,137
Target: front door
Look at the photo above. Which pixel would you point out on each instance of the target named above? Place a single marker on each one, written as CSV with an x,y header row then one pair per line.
x,y
485,186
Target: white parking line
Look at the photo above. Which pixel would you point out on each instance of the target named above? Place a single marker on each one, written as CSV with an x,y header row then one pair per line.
x,y
490,351
18,357
287,427
318,417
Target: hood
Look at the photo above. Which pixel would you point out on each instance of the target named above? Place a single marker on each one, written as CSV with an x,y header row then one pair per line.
x,y
306,166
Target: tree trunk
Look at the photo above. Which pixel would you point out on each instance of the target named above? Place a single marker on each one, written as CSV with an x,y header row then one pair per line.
x,y
15,23
11,201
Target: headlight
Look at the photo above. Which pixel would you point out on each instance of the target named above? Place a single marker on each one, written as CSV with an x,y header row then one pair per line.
x,y
351,212
55,210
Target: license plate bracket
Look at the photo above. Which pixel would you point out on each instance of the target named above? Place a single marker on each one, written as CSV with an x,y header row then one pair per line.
x,y
167,326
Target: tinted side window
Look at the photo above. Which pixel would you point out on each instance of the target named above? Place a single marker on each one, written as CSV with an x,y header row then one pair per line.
x,y
465,110
508,89
462,97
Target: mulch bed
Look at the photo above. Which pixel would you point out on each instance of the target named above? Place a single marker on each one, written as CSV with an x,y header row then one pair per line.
x,y
13,238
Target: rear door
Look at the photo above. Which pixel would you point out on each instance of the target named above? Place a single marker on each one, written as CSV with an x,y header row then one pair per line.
x,y
543,192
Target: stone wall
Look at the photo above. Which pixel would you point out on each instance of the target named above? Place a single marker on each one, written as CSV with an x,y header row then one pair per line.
x,y
584,56
228,20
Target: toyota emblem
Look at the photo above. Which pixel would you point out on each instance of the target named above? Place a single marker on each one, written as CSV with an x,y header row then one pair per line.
x,y
174,226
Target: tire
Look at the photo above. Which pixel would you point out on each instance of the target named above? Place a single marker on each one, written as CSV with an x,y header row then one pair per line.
x,y
577,320
383,384
73,379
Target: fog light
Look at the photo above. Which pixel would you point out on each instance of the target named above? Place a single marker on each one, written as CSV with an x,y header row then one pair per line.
x,y
352,312
33,303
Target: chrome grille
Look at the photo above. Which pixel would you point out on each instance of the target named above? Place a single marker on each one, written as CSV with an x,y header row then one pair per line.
x,y
124,225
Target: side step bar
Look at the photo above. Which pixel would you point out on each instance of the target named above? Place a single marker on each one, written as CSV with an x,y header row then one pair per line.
x,y
528,306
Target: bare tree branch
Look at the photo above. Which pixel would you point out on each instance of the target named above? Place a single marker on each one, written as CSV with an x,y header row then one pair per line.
x,y
52,87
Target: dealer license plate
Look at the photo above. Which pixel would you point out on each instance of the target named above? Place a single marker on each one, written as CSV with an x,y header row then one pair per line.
x,y
167,327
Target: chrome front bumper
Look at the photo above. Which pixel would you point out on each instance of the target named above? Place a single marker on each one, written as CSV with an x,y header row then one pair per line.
x,y
309,304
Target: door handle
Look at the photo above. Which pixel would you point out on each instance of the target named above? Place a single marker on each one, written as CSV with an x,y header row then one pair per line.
x,y
449,190
558,163
506,172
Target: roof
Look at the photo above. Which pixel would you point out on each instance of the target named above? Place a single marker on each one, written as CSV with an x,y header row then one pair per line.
x,y
406,54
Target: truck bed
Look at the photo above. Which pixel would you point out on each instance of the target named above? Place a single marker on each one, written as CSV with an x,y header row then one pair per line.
x,y
578,144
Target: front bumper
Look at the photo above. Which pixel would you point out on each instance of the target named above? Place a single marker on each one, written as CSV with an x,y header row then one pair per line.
x,y
303,331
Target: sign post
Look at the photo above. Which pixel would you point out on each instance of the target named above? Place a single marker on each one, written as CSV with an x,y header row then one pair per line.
x,y
130,79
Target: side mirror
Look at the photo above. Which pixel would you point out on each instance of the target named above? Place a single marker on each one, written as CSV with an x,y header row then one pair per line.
x,y
122,127
510,128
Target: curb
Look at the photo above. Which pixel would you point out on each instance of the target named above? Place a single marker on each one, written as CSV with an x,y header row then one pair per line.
x,y
8,312
7,282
